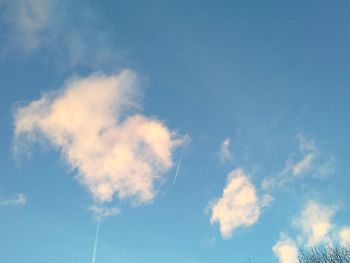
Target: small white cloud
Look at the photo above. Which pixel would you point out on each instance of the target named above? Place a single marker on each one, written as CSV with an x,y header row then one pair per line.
x,y
115,153
225,153
315,223
18,200
344,236
285,250
238,206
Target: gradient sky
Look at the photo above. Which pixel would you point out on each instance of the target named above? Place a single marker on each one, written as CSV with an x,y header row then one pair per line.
x,y
253,94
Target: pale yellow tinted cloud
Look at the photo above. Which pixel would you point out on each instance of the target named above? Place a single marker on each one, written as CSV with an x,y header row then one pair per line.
x,y
238,206
285,250
315,222
344,235
114,152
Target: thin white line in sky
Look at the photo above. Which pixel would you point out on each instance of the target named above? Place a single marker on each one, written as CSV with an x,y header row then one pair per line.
x,y
177,170
96,239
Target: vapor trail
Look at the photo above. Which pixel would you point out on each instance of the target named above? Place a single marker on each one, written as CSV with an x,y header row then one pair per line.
x,y
96,239
177,170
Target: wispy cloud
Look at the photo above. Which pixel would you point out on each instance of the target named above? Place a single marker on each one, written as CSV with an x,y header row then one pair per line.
x,y
239,205
102,212
19,200
28,20
208,242
308,151
68,34
117,153
225,153
327,167
303,165
310,161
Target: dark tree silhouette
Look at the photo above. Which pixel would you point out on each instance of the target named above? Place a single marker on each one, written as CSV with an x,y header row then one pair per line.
x,y
325,254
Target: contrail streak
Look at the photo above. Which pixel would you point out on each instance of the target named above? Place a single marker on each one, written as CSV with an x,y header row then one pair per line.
x,y
177,170
96,239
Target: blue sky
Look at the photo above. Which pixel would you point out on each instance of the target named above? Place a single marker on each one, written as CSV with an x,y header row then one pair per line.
x,y
101,100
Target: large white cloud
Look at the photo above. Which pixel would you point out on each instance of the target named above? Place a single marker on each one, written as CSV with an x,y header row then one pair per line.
x,y
239,205
115,153
286,250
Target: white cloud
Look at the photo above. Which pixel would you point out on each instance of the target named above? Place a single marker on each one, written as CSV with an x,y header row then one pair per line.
x,y
116,153
285,250
315,223
316,228
238,206
18,200
344,236
225,153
